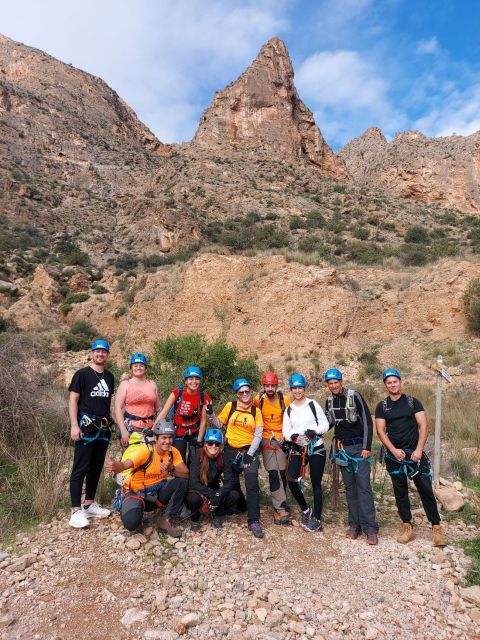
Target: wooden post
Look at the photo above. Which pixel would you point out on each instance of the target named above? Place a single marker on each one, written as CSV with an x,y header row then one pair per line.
x,y
438,424
335,488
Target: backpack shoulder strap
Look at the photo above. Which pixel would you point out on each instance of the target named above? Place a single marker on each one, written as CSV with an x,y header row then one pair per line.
x,y
311,404
261,401
282,401
233,408
289,410
410,403
202,398
253,411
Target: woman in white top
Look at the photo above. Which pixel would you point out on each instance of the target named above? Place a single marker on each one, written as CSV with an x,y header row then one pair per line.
x,y
303,425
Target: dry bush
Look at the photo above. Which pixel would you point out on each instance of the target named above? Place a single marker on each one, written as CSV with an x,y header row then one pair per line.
x,y
33,424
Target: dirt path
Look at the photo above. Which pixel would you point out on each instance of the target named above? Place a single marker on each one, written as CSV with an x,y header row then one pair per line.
x,y
224,583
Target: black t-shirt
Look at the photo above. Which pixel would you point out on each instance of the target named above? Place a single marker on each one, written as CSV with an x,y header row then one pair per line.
x,y
95,389
402,428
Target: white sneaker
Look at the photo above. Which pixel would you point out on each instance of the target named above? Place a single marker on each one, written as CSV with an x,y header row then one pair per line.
x,y
79,520
96,511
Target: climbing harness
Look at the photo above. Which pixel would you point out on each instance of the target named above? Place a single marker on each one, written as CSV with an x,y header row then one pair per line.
x,y
407,466
343,459
95,427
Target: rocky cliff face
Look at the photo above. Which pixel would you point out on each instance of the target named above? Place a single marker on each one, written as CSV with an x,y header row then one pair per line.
x,y
441,170
262,109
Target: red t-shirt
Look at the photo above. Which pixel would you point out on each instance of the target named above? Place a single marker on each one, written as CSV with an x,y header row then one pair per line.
x,y
189,411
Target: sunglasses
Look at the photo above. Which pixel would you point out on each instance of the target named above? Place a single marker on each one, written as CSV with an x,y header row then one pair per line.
x,y
244,393
213,444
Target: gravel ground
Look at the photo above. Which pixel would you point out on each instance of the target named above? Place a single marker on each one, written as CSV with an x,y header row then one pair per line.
x,y
57,584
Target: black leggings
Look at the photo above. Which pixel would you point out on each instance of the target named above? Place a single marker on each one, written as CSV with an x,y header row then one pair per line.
x,y
225,508
316,463
88,462
423,484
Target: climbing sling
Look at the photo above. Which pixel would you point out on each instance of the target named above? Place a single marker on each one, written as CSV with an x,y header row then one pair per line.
x,y
95,427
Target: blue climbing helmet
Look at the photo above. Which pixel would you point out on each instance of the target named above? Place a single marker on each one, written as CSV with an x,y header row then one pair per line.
x,y
192,372
241,382
391,372
213,435
297,380
138,358
100,344
333,374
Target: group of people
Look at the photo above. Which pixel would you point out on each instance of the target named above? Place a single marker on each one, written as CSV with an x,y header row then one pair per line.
x,y
187,461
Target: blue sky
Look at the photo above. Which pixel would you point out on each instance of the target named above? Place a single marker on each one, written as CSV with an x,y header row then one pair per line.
x,y
396,64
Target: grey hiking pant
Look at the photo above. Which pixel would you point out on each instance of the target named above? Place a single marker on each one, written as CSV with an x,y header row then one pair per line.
x,y
275,463
361,509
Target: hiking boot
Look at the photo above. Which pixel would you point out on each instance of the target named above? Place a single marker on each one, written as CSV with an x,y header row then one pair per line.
x,y
306,517
95,511
195,526
217,522
352,533
281,517
312,525
438,536
79,520
165,526
256,529
372,537
407,533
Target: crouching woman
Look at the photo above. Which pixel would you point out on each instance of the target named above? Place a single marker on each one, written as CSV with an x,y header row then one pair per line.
x,y
147,486
206,492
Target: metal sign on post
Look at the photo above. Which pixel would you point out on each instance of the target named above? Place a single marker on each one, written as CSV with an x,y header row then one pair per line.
x,y
441,373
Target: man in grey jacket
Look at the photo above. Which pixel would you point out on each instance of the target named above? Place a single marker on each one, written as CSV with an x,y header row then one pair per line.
x,y
349,416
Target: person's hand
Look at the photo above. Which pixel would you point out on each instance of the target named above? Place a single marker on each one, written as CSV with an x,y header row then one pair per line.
x,y
110,464
166,466
365,454
310,433
124,437
75,433
209,409
294,437
247,460
200,444
399,454
416,455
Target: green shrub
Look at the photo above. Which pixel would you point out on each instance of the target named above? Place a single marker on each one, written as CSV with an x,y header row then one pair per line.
x,y
270,237
76,298
310,243
297,222
99,289
126,262
471,305
315,220
364,253
417,235
444,249
220,364
371,366
76,342
80,327
65,308
360,232
70,253
413,256
80,337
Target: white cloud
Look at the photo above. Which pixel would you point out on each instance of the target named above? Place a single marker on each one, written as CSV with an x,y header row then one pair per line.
x,y
430,46
348,94
456,112
164,58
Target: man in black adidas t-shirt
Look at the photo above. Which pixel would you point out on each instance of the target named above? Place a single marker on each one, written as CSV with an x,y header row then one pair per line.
x,y
401,425
91,391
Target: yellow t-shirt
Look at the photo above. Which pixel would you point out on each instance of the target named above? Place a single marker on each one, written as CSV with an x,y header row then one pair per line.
x,y
152,475
272,415
241,426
